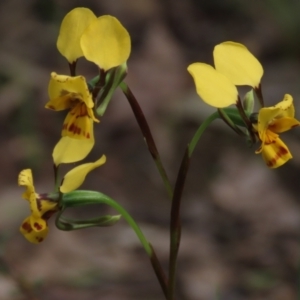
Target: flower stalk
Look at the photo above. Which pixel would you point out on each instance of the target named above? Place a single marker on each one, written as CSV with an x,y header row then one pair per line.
x,y
80,198
140,118
106,43
175,222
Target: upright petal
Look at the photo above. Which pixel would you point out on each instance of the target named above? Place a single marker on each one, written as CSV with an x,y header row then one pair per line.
x,y
106,43
25,179
213,87
237,63
286,107
65,91
71,29
76,176
69,150
276,154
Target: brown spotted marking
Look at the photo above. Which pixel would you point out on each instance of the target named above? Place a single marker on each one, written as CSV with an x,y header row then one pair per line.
x,y
37,226
39,239
270,142
279,154
39,204
27,227
75,129
49,213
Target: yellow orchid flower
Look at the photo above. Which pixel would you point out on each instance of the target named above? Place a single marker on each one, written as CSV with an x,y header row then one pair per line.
x,y
72,93
234,65
102,40
106,42
71,29
272,121
35,228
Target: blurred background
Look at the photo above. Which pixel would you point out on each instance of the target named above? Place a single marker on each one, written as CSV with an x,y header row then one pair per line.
x,y
241,220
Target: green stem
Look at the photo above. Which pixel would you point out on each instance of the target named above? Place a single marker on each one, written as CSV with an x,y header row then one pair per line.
x,y
79,198
246,119
175,223
138,113
99,84
200,131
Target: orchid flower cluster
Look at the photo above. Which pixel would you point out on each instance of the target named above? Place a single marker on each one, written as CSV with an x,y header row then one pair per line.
x,y
236,66
106,43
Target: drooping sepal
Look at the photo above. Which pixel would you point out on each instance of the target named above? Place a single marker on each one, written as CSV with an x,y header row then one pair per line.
x,y
69,150
74,178
67,224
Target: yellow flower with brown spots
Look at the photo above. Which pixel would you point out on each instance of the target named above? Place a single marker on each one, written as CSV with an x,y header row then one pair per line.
x,y
234,65
272,121
35,227
66,92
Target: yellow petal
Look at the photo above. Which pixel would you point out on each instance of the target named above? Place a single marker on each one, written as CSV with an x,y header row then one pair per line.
x,y
237,63
286,107
276,154
284,124
267,137
106,43
65,91
37,224
76,176
268,115
47,206
213,87
72,27
69,150
78,124
32,235
25,179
